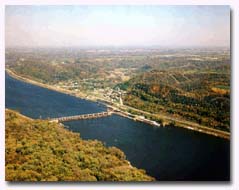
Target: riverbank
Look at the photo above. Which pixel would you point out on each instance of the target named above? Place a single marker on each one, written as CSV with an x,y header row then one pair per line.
x,y
184,124
51,146
124,110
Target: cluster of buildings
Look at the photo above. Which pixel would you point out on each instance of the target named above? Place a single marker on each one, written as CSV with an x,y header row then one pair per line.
x,y
113,95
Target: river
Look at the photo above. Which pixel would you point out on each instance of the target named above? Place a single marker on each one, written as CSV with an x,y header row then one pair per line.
x,y
168,153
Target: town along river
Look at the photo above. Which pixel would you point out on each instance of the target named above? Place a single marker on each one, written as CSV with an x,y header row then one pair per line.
x,y
168,153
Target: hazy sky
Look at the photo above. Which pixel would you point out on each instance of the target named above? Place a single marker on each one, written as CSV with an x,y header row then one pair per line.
x,y
117,25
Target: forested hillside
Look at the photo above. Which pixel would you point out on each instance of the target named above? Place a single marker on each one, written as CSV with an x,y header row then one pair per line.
x,y
185,84
37,150
199,96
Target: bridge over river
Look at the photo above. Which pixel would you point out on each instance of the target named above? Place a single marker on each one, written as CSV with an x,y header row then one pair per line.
x,y
81,117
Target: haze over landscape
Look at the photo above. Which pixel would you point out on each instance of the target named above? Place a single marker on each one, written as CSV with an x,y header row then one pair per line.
x,y
117,93
83,26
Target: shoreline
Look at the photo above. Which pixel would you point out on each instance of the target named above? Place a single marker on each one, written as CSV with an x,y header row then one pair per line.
x,y
122,112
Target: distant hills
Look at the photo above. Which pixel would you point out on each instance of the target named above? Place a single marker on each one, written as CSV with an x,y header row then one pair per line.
x,y
186,83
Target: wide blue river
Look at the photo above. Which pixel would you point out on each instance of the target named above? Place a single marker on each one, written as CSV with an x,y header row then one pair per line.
x,y
168,153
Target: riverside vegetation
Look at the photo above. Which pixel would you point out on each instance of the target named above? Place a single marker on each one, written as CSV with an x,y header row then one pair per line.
x,y
38,150
203,98
191,84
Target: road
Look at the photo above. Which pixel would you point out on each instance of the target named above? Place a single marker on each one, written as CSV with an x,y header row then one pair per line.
x,y
178,122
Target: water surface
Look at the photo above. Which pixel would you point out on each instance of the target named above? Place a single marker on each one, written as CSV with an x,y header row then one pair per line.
x,y
166,153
